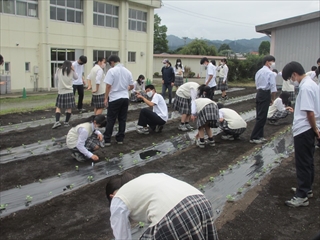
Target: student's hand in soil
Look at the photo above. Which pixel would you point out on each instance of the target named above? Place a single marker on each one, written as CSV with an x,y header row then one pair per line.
x,y
95,157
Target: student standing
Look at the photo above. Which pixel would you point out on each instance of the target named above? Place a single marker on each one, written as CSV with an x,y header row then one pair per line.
x,y
305,121
118,82
65,99
210,76
172,208
83,139
182,103
1,63
79,81
98,86
207,114
266,85
223,79
279,109
178,71
168,78
139,86
155,118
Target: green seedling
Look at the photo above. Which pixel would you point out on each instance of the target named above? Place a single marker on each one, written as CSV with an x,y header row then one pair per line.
x,y
270,165
264,170
71,186
53,139
187,142
277,160
50,193
230,198
172,137
256,176
121,167
77,168
201,187
47,147
222,172
28,198
29,125
90,178
211,179
39,141
106,159
133,151
154,144
141,224
179,146
147,157
31,152
9,149
59,174
120,155
135,161
158,153
240,190
10,123
3,206
230,167
18,186
238,163
249,183
40,180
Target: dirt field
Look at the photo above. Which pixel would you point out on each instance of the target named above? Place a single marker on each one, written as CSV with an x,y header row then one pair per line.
x,y
83,213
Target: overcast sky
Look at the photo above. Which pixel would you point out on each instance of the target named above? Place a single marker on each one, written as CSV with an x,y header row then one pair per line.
x,y
220,20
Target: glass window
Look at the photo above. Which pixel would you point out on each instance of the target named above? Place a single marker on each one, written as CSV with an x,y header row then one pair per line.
x,y
78,17
32,10
27,66
61,14
67,10
71,55
53,13
8,6
21,8
105,15
70,3
61,54
61,2
78,4
53,2
70,15
131,56
137,20
7,66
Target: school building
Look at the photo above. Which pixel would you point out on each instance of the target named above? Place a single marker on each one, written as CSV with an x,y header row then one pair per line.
x,y
294,39
36,36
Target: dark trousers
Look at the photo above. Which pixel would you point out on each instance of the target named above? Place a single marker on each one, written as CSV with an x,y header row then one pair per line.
x,y
303,153
263,100
212,92
116,109
166,86
80,90
147,117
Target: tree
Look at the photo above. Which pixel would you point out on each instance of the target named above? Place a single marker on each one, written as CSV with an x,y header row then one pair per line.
x,y
199,47
160,42
224,47
264,48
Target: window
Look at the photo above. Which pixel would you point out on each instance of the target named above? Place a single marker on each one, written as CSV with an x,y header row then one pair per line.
x,y
104,54
7,66
137,20
66,10
131,56
105,15
27,66
20,7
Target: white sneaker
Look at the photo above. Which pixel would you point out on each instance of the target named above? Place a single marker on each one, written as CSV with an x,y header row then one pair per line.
x,y
143,130
56,124
227,137
183,127
212,143
256,141
264,139
309,194
298,202
200,144
189,127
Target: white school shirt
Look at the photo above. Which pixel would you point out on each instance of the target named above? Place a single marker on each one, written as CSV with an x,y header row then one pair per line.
x,y
211,70
276,105
137,87
160,106
176,71
308,99
265,79
234,120
79,70
120,79
223,73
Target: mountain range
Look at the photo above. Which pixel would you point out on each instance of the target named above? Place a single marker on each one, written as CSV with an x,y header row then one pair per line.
x,y
238,46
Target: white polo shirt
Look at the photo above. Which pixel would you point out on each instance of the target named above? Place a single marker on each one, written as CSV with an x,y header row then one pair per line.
x,y
79,70
308,99
160,106
120,79
211,70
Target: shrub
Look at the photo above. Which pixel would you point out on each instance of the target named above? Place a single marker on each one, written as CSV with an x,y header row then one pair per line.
x,y
156,74
191,74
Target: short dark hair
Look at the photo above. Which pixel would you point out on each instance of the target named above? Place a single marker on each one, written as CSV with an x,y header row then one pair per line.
x,y
318,61
150,86
313,68
220,105
100,59
224,60
290,68
213,62
203,60
116,182
285,98
113,58
100,120
1,59
83,59
268,58
275,70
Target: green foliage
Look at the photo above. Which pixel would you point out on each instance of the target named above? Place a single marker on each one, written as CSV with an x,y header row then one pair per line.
x,y
264,48
224,47
199,47
160,42
156,74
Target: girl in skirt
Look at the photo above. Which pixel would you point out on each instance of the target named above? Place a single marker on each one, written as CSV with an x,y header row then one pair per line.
x,y
182,103
207,114
223,79
83,139
138,87
185,212
178,72
65,99
280,108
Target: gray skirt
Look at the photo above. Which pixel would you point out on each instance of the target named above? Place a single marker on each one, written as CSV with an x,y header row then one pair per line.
x,y
234,132
97,101
210,113
221,86
65,101
178,81
182,105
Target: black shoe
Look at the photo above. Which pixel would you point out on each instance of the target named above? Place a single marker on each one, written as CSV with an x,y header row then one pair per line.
x,y
158,128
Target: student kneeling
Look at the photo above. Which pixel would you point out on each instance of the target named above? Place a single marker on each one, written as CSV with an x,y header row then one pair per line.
x,y
279,109
83,139
156,118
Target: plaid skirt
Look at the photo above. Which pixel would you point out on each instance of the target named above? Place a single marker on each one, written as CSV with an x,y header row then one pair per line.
x,y
222,87
292,96
234,132
90,143
210,113
279,114
178,81
133,97
182,105
192,218
65,101
97,101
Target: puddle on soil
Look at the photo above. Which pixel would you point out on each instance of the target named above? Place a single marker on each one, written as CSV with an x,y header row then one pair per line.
x,y
45,121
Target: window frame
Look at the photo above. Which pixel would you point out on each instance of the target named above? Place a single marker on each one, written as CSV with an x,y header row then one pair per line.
x,y
132,57
27,67
67,9
7,67
114,15
137,17
28,4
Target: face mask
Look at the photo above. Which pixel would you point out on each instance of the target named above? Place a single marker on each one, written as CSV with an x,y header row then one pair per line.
x,y
164,64
149,94
179,63
294,83
273,65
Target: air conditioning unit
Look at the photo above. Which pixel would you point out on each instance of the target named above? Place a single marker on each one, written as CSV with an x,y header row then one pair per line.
x,y
32,13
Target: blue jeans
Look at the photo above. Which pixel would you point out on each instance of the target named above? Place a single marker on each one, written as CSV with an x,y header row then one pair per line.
x,y
166,86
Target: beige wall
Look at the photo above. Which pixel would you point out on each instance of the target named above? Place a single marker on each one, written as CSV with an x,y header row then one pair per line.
x,y
28,39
